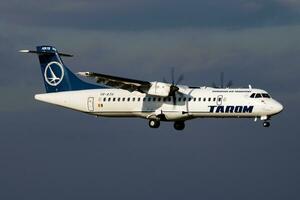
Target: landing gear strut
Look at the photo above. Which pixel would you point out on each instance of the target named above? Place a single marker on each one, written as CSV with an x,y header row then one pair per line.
x,y
154,123
179,125
266,124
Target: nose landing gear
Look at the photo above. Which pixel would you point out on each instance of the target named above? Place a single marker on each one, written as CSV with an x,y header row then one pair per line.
x,y
154,123
266,124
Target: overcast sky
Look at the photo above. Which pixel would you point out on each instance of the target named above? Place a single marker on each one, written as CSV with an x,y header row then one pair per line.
x,y
48,152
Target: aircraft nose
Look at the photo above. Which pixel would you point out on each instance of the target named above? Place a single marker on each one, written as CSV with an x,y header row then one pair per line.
x,y
278,107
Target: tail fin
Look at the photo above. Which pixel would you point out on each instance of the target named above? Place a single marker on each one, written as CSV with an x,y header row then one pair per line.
x,y
57,77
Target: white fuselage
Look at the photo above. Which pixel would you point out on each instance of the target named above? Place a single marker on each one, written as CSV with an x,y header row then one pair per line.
x,y
191,103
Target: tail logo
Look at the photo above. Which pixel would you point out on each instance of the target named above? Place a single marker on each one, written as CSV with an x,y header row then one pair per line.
x,y
54,73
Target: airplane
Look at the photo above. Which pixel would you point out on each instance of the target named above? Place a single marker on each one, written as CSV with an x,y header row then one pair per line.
x,y
113,96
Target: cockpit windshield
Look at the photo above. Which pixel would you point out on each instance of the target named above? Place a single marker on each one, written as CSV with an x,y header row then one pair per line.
x,y
259,95
265,95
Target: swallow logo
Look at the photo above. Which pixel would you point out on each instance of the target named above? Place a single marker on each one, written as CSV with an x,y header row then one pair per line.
x,y
54,73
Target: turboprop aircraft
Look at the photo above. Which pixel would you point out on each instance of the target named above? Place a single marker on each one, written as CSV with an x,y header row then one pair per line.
x,y
155,101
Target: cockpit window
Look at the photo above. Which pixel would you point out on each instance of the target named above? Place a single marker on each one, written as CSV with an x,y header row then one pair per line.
x,y
258,95
252,95
265,95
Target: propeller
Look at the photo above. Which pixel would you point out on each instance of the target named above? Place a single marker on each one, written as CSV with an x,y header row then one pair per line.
x,y
227,85
174,88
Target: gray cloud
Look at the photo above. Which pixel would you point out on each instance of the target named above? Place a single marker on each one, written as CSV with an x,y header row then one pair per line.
x,y
191,49
149,15
290,4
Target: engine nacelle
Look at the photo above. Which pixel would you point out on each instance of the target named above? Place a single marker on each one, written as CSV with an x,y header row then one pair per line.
x,y
159,89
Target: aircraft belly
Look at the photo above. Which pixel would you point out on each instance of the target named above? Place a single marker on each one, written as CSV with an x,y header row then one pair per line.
x,y
121,110
175,116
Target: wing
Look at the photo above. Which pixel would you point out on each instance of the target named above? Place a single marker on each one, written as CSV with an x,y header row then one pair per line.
x,y
118,82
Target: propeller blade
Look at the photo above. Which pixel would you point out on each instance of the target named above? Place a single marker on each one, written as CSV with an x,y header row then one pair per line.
x,y
180,78
222,79
222,85
229,84
174,99
214,85
173,90
164,80
173,75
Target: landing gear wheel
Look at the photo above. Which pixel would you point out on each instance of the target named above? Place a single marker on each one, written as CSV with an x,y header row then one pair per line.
x,y
266,124
154,123
179,125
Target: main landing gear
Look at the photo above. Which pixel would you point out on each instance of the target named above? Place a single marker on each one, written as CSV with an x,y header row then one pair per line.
x,y
266,124
178,125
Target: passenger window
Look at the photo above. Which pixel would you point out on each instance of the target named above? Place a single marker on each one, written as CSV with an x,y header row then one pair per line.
x,y
190,99
108,99
204,99
149,98
199,99
119,99
164,99
184,99
159,99
133,99
154,99
144,99
209,99
104,99
179,99
114,99
128,99
139,99
258,95
195,99
123,99
169,98
214,99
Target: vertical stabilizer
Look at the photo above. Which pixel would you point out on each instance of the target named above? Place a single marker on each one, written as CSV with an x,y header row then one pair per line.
x,y
57,77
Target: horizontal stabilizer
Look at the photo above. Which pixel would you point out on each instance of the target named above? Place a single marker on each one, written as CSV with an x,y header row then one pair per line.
x,y
49,50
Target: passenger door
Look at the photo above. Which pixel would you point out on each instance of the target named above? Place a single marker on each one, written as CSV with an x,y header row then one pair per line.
x,y
219,100
90,104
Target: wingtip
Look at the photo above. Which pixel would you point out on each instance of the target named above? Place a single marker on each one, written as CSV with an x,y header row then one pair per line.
x,y
24,51
83,73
